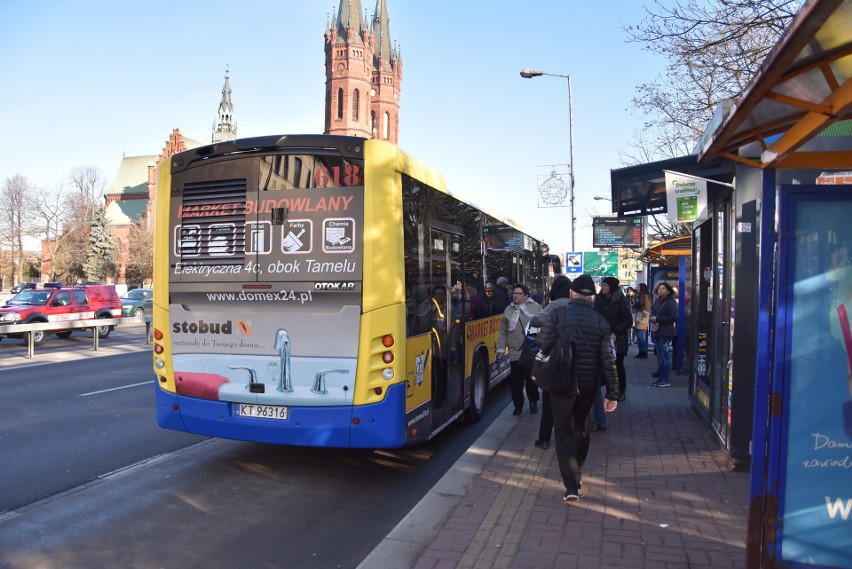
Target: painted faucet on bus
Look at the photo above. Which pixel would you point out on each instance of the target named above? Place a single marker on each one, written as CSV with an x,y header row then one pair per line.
x,y
282,344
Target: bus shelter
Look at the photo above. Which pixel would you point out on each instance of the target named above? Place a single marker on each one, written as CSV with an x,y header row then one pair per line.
x,y
709,272
671,261
772,287
790,137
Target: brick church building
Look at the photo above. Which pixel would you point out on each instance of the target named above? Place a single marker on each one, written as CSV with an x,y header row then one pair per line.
x,y
363,72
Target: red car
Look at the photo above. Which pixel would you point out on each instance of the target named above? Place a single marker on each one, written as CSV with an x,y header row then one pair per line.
x,y
60,304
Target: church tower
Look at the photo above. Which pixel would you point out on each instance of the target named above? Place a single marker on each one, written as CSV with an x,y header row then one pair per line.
x,y
226,129
363,71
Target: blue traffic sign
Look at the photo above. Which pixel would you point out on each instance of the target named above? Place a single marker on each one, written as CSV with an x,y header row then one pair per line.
x,y
574,263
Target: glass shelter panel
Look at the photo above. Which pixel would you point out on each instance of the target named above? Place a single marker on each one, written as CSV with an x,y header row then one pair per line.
x,y
815,342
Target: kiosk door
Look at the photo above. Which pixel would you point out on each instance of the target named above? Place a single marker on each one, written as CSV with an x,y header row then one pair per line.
x,y
720,371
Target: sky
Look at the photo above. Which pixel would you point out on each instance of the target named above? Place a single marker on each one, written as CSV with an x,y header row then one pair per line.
x,y
87,82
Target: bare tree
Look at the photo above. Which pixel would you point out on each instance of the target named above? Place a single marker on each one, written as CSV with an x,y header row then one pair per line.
x,y
661,229
67,216
655,142
16,220
67,261
712,48
89,187
140,253
52,209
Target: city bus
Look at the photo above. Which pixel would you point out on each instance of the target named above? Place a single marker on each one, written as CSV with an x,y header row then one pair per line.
x,y
318,290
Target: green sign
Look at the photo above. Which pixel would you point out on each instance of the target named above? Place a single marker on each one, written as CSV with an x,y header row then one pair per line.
x,y
687,208
601,264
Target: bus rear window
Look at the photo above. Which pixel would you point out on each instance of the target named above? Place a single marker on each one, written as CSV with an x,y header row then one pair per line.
x,y
304,171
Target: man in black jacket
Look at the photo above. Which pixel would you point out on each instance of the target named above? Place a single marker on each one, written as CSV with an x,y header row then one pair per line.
x,y
490,303
613,305
594,357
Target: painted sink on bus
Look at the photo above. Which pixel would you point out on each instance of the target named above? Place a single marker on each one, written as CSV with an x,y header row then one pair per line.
x,y
337,375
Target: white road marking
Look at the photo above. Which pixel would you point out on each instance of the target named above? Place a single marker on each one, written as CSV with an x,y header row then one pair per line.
x,y
115,388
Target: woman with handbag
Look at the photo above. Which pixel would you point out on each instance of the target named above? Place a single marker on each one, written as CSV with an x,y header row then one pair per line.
x,y
642,319
510,340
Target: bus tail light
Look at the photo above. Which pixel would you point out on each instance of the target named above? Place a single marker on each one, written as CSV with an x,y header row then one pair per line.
x,y
387,357
387,374
158,335
158,349
387,340
378,390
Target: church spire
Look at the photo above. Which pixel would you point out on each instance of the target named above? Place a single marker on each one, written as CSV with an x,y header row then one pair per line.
x,y
349,18
386,80
363,73
381,33
226,129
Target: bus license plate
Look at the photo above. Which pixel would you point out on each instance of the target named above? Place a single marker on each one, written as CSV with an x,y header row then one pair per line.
x,y
262,411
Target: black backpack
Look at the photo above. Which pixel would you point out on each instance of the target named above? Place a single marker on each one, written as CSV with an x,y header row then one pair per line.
x,y
556,371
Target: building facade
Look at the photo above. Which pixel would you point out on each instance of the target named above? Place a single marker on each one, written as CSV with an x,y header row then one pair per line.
x,y
363,71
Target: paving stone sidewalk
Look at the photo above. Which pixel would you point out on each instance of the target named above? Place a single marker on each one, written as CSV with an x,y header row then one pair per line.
x,y
657,493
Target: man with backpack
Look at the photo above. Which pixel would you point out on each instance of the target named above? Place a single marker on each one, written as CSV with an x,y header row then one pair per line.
x,y
592,357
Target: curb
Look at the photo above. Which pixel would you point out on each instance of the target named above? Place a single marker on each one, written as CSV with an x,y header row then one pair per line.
x,y
404,544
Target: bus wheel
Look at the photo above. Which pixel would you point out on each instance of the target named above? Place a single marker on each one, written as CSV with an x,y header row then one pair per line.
x,y
478,389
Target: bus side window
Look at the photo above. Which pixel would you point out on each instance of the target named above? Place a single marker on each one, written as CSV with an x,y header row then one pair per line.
x,y
410,311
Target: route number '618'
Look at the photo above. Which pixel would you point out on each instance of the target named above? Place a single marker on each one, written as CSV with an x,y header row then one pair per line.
x,y
325,178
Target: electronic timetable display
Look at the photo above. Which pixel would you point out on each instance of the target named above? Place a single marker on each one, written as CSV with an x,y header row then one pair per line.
x,y
505,238
617,232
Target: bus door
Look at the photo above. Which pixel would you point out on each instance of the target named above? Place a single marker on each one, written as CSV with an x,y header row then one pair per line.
x,y
448,331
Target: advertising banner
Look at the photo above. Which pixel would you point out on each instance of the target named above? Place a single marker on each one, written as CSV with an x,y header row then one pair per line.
x,y
686,197
816,501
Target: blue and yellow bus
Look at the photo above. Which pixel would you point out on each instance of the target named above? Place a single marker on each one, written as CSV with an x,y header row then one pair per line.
x,y
306,292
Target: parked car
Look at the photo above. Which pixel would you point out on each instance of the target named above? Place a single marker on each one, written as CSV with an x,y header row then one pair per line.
x,y
137,302
60,304
21,286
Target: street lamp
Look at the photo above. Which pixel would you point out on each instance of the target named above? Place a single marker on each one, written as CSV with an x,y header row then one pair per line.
x,y
529,74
